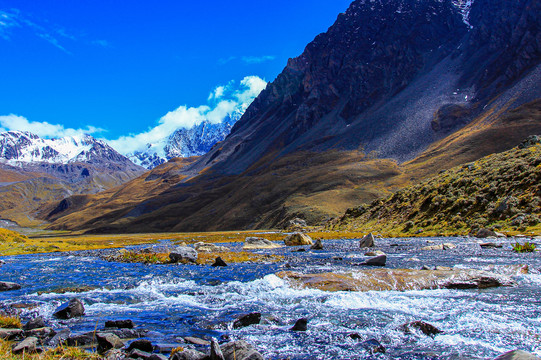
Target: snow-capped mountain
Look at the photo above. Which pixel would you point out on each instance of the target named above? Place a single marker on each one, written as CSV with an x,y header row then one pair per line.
x,y
18,148
194,141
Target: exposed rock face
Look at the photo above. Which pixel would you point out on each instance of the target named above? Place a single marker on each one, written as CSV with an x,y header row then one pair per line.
x,y
251,243
397,279
71,309
298,239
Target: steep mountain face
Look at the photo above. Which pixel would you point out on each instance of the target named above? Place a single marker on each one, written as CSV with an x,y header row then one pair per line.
x,y
35,171
394,92
195,141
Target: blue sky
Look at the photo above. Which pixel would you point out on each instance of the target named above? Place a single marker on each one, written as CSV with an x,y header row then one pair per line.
x,y
115,68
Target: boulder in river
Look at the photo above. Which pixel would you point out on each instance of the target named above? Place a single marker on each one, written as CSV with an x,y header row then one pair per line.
x,y
300,325
425,328
252,243
183,254
375,253
298,239
35,323
484,233
240,350
247,320
380,260
517,355
71,309
397,279
367,241
209,248
219,262
9,286
141,344
318,245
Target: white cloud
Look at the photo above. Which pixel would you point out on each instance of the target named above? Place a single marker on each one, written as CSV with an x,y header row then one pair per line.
x,y
257,59
42,129
8,19
223,101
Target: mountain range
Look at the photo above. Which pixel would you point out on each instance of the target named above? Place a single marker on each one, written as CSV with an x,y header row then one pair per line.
x,y
394,92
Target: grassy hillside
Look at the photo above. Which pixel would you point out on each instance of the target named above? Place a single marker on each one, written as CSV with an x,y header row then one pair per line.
x,y
499,191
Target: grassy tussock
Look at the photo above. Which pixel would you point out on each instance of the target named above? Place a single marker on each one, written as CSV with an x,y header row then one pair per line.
x,y
59,353
10,322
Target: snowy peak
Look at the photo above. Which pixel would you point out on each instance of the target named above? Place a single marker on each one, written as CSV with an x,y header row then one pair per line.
x,y
19,147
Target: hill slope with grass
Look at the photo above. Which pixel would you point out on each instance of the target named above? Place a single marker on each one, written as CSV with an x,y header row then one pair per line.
x,y
500,191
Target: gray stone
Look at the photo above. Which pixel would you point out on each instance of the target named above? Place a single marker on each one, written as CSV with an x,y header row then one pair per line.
x,y
209,248
71,309
107,341
247,320
375,253
215,351
60,338
183,254
517,355
11,334
139,354
433,247
300,325
380,260
259,243
240,350
196,341
188,354
449,246
318,245
119,324
484,233
35,323
141,344
28,345
9,286
298,239
41,333
367,241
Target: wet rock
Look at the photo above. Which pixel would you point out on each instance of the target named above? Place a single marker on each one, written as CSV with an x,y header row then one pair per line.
x,y
375,253
196,341
484,233
108,341
128,333
88,338
41,333
380,260
491,245
215,351
188,354
355,336
449,246
114,354
183,254
209,248
11,334
219,262
397,279
247,320
367,241
35,323
414,259
298,239
373,346
517,355
119,324
139,354
300,325
71,309
299,250
28,345
425,328
425,267
240,350
141,344
9,286
318,245
157,357
252,243
61,337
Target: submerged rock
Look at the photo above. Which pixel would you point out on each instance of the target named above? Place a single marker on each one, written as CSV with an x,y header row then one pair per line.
x,y
71,309
252,243
298,239
247,320
9,286
373,346
183,254
367,241
490,245
517,355
240,350
397,279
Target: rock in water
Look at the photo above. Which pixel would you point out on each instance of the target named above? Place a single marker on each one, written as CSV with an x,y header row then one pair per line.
x,y
141,344
318,245
9,286
298,239
240,350
71,309
219,262
183,254
108,341
119,324
517,355
215,351
484,233
380,260
209,248
373,346
35,323
367,241
247,320
259,243
28,345
300,325
425,328
434,247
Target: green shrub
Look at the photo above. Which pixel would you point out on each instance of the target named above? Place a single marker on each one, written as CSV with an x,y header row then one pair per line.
x,y
526,247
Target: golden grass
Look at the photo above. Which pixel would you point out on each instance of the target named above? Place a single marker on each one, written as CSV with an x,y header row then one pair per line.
x,y
10,322
202,259
59,353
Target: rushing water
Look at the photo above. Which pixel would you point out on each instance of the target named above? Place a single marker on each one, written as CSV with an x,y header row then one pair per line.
x,y
174,301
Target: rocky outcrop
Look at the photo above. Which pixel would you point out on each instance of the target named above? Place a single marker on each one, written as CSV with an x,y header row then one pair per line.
x,y
397,279
253,243
298,239
71,309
